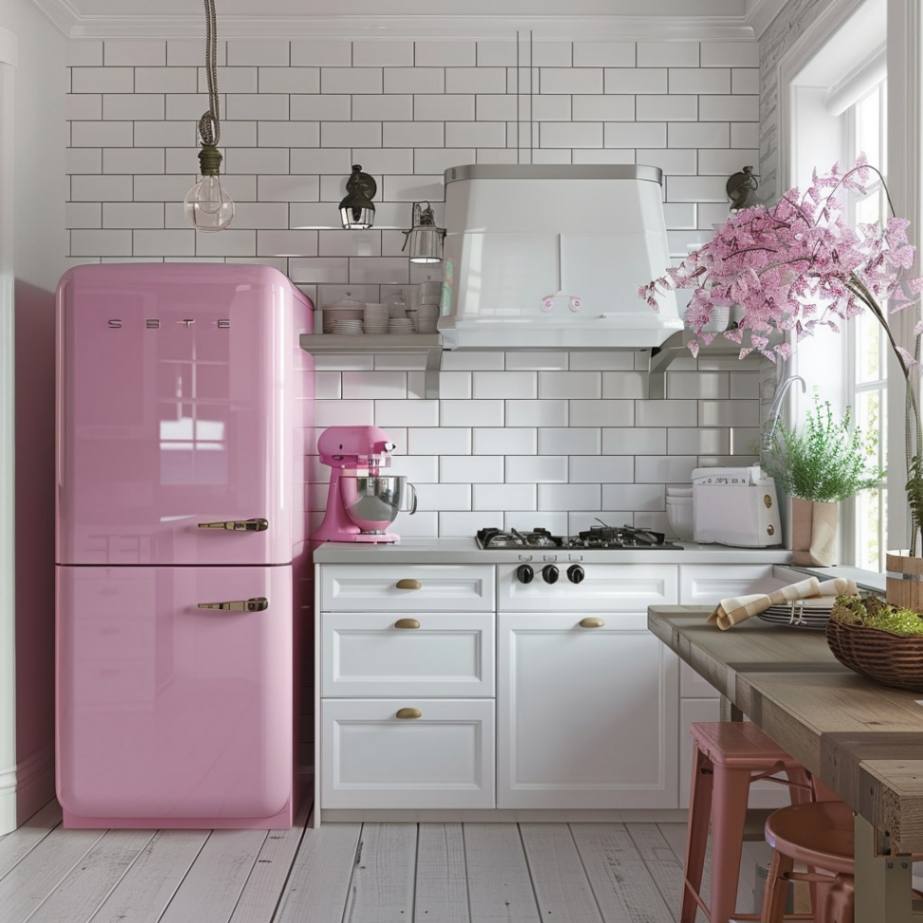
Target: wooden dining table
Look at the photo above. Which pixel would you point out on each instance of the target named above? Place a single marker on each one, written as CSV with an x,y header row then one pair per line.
x,y
863,740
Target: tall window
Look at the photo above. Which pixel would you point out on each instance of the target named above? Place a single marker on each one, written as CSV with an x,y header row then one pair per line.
x,y
865,132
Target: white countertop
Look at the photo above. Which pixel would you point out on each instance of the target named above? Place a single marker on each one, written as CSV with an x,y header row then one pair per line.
x,y
466,551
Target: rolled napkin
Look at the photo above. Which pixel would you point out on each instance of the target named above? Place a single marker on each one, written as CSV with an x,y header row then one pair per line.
x,y
736,609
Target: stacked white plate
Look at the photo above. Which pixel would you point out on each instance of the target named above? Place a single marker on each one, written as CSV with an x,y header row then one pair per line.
x,y
375,318
347,327
347,309
812,614
679,512
400,325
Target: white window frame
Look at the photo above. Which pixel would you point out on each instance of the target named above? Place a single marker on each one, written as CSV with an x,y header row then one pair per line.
x,y
904,169
853,388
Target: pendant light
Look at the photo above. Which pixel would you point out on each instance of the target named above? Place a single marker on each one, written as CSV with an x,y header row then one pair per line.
x,y
357,210
207,205
424,240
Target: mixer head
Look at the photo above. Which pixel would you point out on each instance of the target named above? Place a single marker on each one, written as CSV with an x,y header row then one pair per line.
x,y
355,447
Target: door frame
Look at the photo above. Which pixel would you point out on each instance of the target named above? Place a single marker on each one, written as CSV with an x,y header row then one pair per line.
x,y
8,776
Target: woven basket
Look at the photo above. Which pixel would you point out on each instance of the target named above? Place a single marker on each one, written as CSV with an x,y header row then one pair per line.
x,y
886,658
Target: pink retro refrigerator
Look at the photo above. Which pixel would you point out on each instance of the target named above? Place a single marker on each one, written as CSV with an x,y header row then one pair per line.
x,y
183,400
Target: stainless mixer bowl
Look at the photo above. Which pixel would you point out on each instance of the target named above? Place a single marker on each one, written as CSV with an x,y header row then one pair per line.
x,y
373,502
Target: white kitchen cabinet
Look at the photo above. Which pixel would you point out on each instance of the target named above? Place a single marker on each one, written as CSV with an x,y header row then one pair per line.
x,y
708,584
407,587
587,716
606,587
441,758
436,654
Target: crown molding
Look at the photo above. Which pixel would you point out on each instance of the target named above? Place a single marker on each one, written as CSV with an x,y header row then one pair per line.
x,y
761,14
600,28
61,13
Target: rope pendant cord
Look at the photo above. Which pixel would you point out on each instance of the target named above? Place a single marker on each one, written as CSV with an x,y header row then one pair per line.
x,y
210,122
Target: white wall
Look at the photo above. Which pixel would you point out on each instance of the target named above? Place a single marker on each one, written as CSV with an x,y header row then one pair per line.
x,y
521,439
26,621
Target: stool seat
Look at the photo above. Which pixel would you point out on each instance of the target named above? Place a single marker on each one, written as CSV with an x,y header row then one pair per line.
x,y
739,745
818,834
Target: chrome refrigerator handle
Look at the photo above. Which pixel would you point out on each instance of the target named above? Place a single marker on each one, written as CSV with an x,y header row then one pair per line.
x,y
254,604
237,525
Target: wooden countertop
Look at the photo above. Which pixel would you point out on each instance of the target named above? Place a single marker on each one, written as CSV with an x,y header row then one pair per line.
x,y
863,740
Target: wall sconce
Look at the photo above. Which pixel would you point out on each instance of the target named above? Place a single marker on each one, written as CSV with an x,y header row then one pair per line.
x,y
357,210
424,238
741,189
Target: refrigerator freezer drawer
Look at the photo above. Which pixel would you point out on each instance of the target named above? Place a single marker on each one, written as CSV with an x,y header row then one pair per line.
x,y
167,710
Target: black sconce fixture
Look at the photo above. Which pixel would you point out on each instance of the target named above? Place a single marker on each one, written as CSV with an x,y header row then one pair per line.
x,y
357,210
741,189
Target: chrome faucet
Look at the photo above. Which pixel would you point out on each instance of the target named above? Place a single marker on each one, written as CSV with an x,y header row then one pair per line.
x,y
775,410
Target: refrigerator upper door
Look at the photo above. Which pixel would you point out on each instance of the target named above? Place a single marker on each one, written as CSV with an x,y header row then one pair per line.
x,y
168,710
176,394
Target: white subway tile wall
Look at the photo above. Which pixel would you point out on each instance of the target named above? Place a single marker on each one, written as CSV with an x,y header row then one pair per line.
x,y
531,438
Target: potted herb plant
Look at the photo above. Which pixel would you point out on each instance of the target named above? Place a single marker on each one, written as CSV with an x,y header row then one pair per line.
x,y
797,265
818,465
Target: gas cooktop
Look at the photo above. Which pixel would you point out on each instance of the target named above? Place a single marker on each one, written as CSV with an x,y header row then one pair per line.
x,y
601,538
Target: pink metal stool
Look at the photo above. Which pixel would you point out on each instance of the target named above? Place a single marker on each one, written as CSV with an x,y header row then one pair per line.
x,y
821,837
728,756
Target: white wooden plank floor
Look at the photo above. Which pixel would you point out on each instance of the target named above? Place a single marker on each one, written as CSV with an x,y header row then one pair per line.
x,y
349,873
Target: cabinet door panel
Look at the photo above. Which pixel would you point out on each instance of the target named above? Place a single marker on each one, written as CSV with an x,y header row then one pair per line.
x,y
407,587
382,654
708,584
371,758
587,716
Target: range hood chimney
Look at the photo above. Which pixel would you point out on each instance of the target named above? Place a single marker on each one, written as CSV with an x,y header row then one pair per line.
x,y
552,256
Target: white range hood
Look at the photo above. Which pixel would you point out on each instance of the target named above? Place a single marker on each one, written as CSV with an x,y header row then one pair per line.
x,y
553,256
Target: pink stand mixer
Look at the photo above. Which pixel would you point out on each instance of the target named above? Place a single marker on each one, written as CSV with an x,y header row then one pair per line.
x,y
361,502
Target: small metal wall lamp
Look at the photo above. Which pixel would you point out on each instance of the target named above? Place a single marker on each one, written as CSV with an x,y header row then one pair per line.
x,y
357,210
424,240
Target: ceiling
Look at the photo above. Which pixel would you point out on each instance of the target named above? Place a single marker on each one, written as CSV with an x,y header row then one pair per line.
x,y
618,18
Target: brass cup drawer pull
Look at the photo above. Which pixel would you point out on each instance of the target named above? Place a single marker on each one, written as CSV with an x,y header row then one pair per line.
x,y
408,713
409,583
592,622
406,623
254,604
237,525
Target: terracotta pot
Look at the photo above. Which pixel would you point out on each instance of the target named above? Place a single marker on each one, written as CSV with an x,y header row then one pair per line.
x,y
905,580
814,532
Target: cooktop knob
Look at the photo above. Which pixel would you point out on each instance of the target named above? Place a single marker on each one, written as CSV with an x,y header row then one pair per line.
x,y
550,573
575,573
524,573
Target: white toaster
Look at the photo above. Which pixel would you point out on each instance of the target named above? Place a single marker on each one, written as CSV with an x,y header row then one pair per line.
x,y
735,506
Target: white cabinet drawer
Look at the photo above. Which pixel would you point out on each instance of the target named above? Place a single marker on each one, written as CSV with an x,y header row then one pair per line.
x,y
605,587
370,758
413,587
692,686
708,584
441,654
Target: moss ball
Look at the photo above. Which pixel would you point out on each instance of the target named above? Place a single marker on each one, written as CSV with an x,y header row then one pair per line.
x,y
873,612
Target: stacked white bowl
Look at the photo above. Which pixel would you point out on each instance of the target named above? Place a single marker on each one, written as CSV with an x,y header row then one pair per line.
x,y
375,318
400,325
344,310
679,512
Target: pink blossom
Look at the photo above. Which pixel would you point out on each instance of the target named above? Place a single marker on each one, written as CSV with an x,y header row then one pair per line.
x,y
795,265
